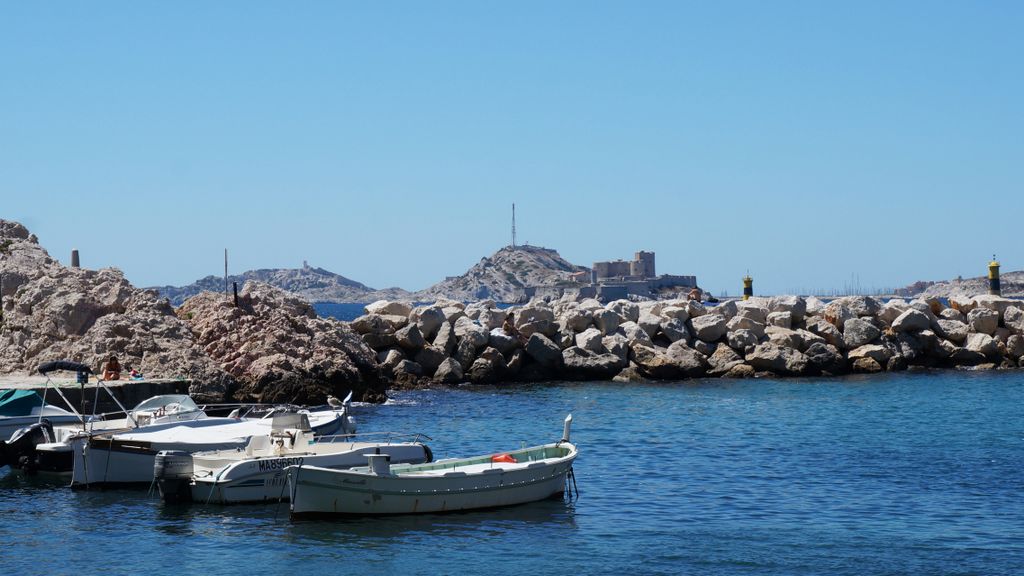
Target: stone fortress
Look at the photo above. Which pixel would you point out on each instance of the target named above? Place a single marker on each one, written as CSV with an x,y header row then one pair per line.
x,y
618,279
615,279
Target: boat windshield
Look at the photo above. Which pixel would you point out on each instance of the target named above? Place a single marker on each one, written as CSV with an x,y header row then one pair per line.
x,y
290,420
183,402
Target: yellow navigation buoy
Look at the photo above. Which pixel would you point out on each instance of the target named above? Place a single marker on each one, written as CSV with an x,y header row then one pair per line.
x,y
993,277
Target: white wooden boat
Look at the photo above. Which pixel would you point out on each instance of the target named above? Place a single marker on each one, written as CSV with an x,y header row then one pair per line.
x,y
489,481
256,473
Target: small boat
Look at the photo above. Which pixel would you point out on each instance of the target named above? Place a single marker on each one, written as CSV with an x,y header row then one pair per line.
x,y
46,446
489,481
256,473
122,450
127,456
22,408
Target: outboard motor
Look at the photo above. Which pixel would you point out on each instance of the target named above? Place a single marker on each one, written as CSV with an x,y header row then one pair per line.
x,y
172,471
20,450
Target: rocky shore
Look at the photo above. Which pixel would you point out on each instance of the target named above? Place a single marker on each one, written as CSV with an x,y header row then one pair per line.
x,y
450,342
272,347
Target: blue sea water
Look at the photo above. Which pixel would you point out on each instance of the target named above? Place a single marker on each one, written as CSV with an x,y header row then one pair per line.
x,y
349,312
892,474
346,312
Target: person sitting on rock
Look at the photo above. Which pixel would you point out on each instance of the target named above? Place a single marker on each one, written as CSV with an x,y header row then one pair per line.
x,y
509,327
112,371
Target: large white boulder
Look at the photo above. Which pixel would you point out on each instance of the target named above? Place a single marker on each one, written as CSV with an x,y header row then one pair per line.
x,y
675,330
953,330
1013,318
678,312
795,305
740,340
650,323
911,320
743,322
880,354
709,327
782,319
491,318
387,307
982,344
590,339
996,303
577,320
784,337
607,321
858,332
983,320
428,319
629,311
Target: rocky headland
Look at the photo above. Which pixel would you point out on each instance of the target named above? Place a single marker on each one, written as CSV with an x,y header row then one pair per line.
x,y
278,350
450,342
504,276
271,348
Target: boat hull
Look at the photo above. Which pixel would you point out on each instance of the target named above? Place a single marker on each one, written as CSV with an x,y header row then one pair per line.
x,y
264,480
318,491
10,425
112,461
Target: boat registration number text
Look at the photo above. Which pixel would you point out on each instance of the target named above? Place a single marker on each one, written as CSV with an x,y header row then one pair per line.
x,y
278,463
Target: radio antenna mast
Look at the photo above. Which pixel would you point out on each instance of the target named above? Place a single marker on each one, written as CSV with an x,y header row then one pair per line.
x,y
513,225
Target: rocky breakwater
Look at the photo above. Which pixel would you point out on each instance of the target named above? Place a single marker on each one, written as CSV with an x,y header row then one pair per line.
x,y
278,350
53,312
450,342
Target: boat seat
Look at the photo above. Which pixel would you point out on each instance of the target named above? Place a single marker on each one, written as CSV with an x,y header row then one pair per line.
x,y
257,444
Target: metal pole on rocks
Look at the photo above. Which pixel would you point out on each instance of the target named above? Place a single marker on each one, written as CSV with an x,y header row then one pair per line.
x,y
225,271
235,285
74,259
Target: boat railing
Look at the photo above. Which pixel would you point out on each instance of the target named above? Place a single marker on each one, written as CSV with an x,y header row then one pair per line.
x,y
388,437
63,365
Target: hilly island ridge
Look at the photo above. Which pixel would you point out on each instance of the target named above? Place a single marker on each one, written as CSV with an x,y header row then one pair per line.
x,y
512,274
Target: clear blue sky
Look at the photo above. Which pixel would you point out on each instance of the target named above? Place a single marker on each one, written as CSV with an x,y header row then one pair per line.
x,y
809,142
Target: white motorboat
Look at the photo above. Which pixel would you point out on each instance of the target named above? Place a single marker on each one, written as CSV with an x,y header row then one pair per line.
x,y
127,456
22,408
256,473
46,446
489,481
96,450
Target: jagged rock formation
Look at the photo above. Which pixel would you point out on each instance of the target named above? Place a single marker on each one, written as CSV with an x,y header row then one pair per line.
x,y
52,312
450,342
277,348
312,284
503,276
1011,284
